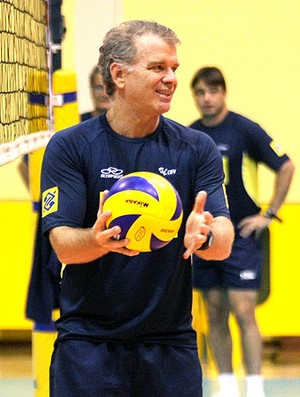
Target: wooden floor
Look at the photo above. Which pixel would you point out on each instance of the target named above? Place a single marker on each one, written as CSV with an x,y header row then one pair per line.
x,y
281,369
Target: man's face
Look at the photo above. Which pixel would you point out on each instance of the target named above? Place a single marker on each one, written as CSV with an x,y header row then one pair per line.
x,y
99,96
209,99
151,82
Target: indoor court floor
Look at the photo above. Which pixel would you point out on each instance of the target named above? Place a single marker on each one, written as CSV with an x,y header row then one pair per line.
x,y
281,369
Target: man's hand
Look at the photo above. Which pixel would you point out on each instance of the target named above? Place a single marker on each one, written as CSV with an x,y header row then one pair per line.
x,y
253,224
108,238
197,226
82,245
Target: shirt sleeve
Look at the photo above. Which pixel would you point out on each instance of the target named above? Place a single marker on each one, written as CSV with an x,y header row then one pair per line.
x,y
265,149
62,184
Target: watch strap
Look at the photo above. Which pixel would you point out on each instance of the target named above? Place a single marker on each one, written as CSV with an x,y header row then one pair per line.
x,y
270,214
208,243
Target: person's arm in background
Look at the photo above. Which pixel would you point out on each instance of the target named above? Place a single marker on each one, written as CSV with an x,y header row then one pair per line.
x,y
282,184
24,171
257,223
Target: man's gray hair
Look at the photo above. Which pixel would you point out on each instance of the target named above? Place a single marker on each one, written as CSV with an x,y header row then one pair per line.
x,y
119,45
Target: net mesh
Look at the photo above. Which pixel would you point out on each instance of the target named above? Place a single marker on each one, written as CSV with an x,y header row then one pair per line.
x,y
24,85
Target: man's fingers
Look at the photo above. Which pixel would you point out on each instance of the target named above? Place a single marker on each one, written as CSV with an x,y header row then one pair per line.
x,y
200,202
187,253
103,196
100,223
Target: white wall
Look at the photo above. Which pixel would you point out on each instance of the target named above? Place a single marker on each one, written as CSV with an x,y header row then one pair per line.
x,y
86,22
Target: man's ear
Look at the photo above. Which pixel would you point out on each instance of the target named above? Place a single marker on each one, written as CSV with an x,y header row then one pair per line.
x,y
118,73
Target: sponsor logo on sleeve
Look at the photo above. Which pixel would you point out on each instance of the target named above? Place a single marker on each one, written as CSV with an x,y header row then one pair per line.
x,y
49,201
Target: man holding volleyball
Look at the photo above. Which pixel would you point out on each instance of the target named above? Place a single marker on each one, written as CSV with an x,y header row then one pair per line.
x,y
125,326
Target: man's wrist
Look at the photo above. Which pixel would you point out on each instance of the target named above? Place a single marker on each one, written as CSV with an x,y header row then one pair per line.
x,y
208,243
270,214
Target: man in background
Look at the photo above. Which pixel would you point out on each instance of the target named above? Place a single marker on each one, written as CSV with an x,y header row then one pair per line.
x,y
100,104
99,96
232,285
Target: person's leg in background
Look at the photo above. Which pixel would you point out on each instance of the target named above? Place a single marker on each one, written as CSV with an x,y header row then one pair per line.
x,y
242,304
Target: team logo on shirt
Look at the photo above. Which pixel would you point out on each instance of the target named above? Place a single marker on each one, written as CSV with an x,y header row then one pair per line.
x,y
111,172
166,171
277,148
49,201
223,147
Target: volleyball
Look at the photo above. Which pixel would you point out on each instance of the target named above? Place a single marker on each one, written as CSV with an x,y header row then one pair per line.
x,y
147,208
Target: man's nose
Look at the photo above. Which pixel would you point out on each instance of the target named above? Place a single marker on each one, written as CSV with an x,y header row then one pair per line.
x,y
169,76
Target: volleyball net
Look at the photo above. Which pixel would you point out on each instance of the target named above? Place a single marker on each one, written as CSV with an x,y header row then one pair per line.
x,y
25,78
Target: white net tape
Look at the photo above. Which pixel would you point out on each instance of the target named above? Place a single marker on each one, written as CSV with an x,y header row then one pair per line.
x,y
22,145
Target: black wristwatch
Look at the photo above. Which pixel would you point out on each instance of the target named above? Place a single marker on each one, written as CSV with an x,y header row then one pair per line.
x,y
208,243
270,214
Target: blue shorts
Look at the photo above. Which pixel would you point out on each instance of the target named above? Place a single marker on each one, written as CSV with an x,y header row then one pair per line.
x,y
242,270
81,368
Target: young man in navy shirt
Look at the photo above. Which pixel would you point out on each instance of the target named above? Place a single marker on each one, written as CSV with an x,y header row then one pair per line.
x,y
232,285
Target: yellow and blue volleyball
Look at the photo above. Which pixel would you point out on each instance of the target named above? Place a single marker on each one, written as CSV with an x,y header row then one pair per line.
x,y
147,208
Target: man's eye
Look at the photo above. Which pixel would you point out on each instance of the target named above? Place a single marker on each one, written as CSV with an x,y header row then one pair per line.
x,y
157,67
199,92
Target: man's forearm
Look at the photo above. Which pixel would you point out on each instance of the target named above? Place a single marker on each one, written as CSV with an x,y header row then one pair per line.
x,y
74,246
223,233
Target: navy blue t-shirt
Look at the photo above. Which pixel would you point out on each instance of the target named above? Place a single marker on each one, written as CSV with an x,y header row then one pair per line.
x,y
243,145
86,116
147,297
